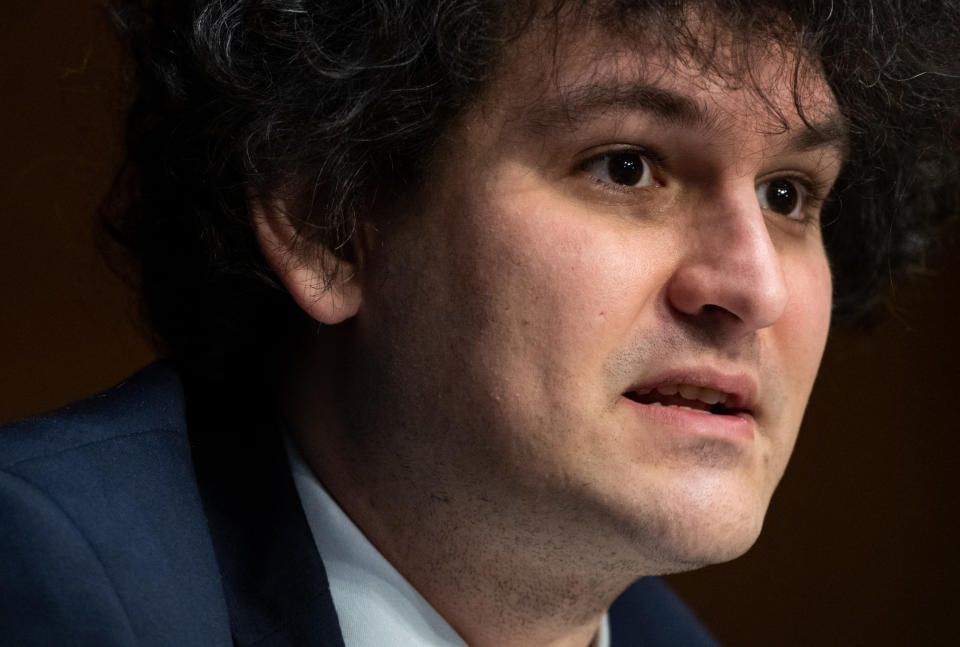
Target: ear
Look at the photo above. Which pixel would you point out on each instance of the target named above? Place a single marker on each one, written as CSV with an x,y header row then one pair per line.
x,y
326,287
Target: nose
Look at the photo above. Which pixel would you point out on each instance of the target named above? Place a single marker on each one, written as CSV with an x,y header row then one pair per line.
x,y
730,268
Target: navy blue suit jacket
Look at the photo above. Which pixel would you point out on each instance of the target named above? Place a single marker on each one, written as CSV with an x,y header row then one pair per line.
x,y
120,527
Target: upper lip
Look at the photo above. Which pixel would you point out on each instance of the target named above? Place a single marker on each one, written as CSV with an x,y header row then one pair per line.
x,y
740,387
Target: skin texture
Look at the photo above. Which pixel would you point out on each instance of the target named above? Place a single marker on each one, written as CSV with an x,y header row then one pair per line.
x,y
469,412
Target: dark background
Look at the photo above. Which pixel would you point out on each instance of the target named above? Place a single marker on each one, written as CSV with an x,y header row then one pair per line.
x,y
860,546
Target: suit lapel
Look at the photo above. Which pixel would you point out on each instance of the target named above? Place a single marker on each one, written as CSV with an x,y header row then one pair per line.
x,y
273,578
649,614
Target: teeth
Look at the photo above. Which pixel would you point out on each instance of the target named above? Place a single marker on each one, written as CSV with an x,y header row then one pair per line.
x,y
677,406
691,392
711,396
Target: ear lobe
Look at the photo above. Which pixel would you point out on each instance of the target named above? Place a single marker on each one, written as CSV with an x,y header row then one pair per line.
x,y
324,286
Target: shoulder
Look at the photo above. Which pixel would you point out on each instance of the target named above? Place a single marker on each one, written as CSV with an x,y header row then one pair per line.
x,y
122,455
104,534
650,614
147,403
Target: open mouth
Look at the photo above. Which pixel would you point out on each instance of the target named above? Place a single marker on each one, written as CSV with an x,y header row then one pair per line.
x,y
687,396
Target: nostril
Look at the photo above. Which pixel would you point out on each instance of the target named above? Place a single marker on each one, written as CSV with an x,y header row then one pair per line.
x,y
713,310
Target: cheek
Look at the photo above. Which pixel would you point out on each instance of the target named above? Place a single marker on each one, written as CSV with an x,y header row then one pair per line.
x,y
802,334
554,274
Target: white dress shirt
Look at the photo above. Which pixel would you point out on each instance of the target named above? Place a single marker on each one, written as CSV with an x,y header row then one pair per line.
x,y
375,604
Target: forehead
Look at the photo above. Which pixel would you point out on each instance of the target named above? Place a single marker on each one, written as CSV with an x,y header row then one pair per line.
x,y
706,76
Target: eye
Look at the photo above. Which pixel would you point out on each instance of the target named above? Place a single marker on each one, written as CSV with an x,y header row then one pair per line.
x,y
624,168
782,196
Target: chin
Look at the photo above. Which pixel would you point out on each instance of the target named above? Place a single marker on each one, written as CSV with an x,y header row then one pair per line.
x,y
708,541
693,527
711,545
683,550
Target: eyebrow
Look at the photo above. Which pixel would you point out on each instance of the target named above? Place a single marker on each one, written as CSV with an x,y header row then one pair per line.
x,y
670,108
832,131
581,102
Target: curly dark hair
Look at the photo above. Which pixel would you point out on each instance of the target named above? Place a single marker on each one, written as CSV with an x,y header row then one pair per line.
x,y
332,104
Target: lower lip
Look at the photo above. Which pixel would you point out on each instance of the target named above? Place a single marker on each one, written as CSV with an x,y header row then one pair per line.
x,y
737,428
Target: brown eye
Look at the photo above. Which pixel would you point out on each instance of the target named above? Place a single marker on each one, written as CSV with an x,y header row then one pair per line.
x,y
782,196
624,168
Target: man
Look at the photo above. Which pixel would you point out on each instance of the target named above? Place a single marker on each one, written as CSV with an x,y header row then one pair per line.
x,y
528,299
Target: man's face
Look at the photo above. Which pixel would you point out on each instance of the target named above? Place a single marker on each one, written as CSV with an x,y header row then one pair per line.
x,y
606,235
